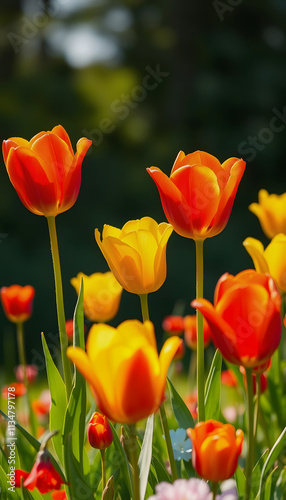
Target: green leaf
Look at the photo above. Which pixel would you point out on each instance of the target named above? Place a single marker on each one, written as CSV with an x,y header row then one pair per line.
x,y
78,486
212,388
122,459
180,409
146,456
76,411
256,473
162,474
268,485
59,400
280,487
273,454
240,482
5,485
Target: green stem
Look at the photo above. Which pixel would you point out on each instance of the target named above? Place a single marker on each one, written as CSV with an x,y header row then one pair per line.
x,y
144,306
132,447
21,350
60,304
23,363
257,406
214,490
166,431
250,442
200,330
192,371
103,468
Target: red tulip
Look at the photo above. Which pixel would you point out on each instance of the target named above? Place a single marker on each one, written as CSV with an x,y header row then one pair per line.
x,y
245,319
19,474
191,332
198,196
45,171
43,475
99,432
17,302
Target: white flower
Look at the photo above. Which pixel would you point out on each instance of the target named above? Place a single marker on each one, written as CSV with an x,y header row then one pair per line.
x,y
182,447
228,490
182,489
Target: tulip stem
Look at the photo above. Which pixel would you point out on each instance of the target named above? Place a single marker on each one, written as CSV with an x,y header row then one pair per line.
x,y
60,303
144,306
257,405
250,441
23,363
214,490
132,448
21,350
200,331
103,468
166,431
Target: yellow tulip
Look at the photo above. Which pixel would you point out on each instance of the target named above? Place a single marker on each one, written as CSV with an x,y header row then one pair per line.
x,y
101,295
124,370
136,254
271,212
271,260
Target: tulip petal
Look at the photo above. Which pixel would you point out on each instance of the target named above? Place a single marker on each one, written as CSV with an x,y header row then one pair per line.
x,y
204,159
222,334
31,182
138,385
167,354
61,132
275,257
13,142
256,251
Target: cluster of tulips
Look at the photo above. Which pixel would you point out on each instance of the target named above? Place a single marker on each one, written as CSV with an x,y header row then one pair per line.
x,y
129,433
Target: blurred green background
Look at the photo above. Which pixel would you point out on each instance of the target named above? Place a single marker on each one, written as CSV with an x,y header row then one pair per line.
x,y
142,79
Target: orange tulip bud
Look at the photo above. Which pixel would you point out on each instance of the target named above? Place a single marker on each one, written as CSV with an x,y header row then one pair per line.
x,y
216,449
198,196
99,432
17,302
14,389
245,320
45,171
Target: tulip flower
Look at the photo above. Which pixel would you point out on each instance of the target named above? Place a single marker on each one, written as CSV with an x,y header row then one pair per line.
x,y
245,319
16,389
45,171
59,495
271,260
216,449
124,370
198,196
99,432
271,212
136,254
17,302
190,335
101,295
19,474
173,325
31,373
43,475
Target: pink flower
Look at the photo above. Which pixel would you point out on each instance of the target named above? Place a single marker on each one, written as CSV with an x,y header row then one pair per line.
x,y
182,489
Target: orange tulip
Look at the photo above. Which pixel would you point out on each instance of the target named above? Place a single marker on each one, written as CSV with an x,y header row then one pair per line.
x,y
99,432
245,320
191,331
17,302
198,196
216,449
124,370
173,325
45,171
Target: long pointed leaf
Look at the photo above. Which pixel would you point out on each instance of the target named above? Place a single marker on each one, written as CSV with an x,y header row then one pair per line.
x,y
180,409
212,389
146,456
